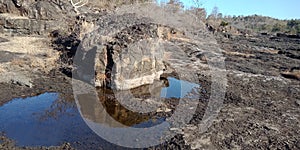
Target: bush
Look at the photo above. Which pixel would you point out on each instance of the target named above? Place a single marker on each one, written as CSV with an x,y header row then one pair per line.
x,y
223,24
277,27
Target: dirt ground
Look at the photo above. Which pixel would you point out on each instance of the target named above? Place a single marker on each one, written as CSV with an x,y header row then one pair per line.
x,y
261,107
25,63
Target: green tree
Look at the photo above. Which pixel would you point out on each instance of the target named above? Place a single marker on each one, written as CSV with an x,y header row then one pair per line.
x,y
293,26
293,23
223,24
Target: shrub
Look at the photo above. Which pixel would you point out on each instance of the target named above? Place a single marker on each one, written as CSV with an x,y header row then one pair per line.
x,y
223,24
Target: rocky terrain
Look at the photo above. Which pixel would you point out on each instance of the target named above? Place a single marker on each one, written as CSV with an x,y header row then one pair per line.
x,y
261,105
261,72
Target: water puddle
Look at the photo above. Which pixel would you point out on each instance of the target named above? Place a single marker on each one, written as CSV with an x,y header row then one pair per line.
x,y
169,91
177,88
40,120
50,119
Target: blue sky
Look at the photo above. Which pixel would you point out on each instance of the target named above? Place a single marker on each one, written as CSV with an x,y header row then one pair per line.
x,y
281,9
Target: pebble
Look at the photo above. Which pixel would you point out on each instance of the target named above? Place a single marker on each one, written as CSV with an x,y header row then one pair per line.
x,y
298,102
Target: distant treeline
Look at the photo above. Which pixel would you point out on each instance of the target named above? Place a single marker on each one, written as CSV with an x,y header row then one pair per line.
x,y
254,23
258,23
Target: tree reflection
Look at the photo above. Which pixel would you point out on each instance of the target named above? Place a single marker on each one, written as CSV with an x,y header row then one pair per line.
x,y
64,105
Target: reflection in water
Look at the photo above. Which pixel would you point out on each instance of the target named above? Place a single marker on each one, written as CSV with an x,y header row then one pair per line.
x,y
177,88
62,106
40,120
104,114
110,110
51,119
119,112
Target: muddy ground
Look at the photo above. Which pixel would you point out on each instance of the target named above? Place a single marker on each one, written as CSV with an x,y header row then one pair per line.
x,y
261,107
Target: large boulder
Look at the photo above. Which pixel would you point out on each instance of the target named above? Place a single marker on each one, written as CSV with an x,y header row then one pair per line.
x,y
132,62
128,50
125,52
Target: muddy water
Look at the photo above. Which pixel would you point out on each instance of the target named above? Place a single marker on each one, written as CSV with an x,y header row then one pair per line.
x,y
50,119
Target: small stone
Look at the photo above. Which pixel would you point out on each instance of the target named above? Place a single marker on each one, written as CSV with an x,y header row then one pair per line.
x,y
173,129
298,102
270,127
159,110
168,110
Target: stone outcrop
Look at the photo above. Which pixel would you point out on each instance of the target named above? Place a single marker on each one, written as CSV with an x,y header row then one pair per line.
x,y
131,51
35,17
8,6
293,74
133,62
37,9
127,59
13,24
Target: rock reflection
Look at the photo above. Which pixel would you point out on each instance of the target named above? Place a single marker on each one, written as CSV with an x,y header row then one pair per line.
x,y
107,110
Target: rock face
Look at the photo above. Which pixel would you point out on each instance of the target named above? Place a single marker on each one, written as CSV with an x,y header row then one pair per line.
x,y
8,6
127,59
37,9
13,24
131,51
35,17
133,62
